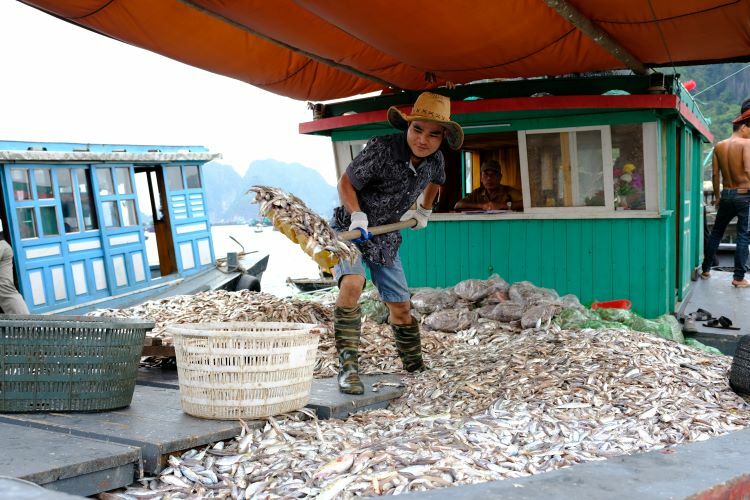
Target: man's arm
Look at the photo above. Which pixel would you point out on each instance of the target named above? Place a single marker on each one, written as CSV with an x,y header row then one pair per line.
x,y
430,192
746,158
469,202
716,177
348,195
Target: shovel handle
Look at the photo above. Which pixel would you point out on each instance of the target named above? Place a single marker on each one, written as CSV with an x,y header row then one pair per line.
x,y
386,228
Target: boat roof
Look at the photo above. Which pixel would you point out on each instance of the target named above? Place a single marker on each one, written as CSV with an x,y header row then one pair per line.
x,y
21,151
323,50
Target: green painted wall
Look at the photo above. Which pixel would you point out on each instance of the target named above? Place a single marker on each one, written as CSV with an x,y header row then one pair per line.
x,y
599,259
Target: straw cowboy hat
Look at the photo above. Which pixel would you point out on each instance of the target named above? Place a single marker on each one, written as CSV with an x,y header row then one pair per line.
x,y
430,107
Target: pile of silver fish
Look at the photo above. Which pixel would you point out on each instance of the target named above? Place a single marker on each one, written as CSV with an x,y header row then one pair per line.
x,y
221,305
496,404
292,217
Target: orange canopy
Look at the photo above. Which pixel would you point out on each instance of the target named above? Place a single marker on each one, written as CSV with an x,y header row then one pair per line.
x,y
327,49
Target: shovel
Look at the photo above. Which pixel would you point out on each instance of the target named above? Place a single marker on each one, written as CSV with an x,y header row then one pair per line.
x,y
385,228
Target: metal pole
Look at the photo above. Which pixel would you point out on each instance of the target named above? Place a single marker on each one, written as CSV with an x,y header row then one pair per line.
x,y
584,24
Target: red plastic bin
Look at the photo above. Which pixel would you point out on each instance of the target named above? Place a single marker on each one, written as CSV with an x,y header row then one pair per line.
x,y
612,304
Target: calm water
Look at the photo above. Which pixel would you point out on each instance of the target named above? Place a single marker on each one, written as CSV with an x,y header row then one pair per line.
x,y
286,259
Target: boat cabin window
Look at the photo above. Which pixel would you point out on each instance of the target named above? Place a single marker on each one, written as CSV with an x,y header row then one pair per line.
x,y
43,180
565,168
21,184
40,208
26,223
67,200
127,207
118,206
104,179
174,178
48,216
589,169
88,204
192,176
124,186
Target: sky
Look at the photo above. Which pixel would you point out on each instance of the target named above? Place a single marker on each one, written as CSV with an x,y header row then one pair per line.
x,y
62,83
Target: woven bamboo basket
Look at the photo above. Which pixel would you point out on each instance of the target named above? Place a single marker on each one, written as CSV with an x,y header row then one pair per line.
x,y
244,370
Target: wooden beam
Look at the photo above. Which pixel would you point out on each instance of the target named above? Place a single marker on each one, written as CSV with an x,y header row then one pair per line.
x,y
584,24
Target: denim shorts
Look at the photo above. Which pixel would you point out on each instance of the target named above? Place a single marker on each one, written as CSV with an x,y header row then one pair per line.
x,y
389,280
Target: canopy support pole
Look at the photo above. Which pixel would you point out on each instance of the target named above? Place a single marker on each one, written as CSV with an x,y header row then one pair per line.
x,y
584,24
315,57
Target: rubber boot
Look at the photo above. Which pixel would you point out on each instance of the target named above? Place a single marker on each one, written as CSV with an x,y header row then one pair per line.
x,y
347,323
409,345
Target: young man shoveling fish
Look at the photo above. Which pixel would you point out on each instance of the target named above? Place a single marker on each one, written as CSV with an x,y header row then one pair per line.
x,y
379,187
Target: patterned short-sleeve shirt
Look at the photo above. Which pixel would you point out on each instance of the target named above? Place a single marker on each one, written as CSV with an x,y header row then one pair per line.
x,y
386,187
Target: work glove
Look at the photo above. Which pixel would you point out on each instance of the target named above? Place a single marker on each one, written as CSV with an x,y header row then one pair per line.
x,y
360,222
421,214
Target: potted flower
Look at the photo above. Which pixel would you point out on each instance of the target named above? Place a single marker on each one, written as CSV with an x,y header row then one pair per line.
x,y
628,187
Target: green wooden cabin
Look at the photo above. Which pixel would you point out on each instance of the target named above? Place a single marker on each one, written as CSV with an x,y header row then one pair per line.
x,y
587,228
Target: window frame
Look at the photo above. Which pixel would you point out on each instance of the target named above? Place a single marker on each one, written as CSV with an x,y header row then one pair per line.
x,y
117,198
344,153
74,170
650,169
36,204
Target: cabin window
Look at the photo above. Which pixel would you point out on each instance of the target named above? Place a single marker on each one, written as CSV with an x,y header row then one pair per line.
x,y
565,168
589,169
88,204
344,152
124,185
67,200
174,179
49,201
468,171
118,207
21,184
192,176
128,213
104,179
43,183
110,214
628,169
48,215
26,222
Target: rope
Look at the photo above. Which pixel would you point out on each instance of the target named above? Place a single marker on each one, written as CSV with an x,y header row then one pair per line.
x,y
663,40
726,78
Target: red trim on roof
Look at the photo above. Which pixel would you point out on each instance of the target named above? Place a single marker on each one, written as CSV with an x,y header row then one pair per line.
x,y
658,101
695,122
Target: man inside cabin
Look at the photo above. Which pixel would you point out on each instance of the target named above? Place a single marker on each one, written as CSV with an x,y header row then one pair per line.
x,y
491,195
381,186
731,166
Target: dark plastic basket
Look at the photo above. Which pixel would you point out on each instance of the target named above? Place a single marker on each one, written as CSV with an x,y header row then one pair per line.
x,y
68,363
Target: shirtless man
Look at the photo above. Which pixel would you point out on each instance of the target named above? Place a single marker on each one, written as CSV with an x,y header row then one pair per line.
x,y
731,159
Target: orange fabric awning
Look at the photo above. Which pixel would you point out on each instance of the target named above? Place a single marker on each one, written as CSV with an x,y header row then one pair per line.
x,y
328,49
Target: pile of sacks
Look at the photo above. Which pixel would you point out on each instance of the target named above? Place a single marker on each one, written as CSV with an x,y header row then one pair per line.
x,y
473,302
487,304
